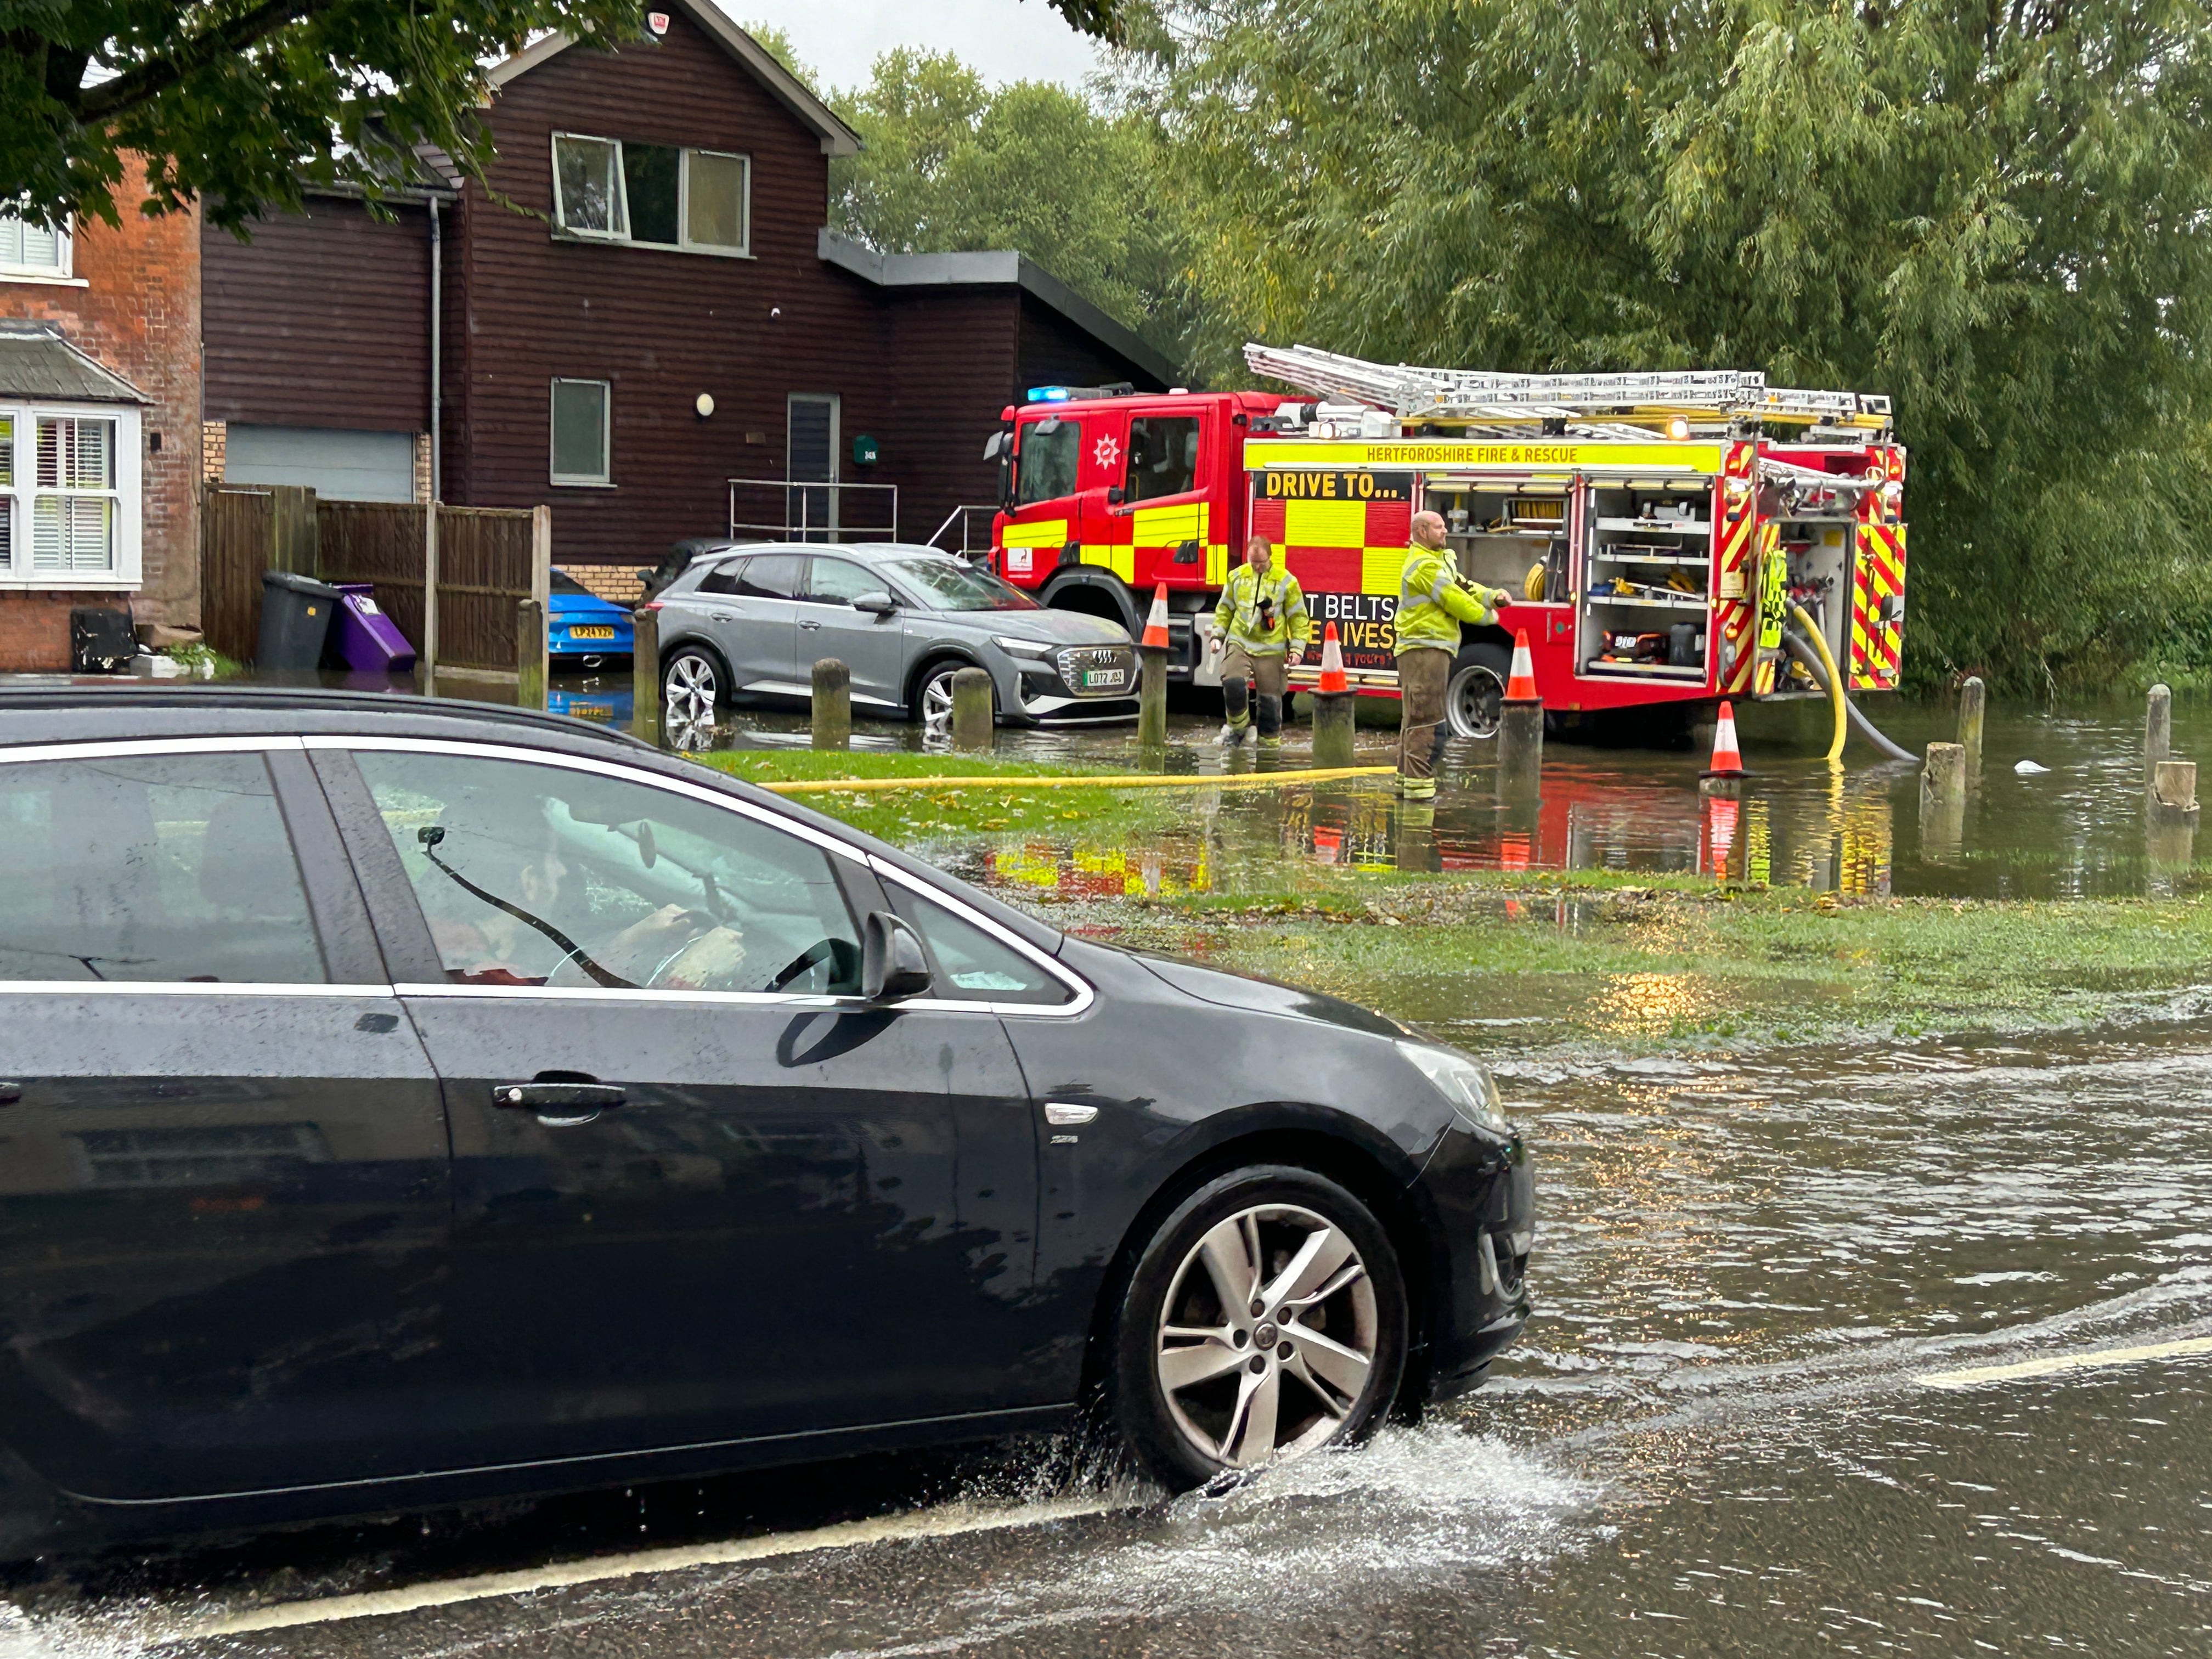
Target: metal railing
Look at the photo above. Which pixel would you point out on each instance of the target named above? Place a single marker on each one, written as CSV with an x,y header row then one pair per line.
x,y
971,542
804,510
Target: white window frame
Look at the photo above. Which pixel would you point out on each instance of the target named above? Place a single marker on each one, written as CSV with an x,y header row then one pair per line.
x,y
563,230
61,274
126,562
605,477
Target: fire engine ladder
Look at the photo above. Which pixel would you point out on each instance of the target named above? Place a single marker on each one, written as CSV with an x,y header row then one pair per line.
x,y
1459,394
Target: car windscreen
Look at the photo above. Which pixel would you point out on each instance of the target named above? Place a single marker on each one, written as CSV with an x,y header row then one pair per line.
x,y
949,584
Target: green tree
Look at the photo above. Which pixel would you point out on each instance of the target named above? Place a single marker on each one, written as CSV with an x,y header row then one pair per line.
x,y
244,102
1999,213
950,164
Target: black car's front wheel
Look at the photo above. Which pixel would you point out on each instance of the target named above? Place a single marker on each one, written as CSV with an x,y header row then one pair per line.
x,y
1265,1319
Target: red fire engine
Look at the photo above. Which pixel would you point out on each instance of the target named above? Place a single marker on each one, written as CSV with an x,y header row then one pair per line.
x,y
1655,528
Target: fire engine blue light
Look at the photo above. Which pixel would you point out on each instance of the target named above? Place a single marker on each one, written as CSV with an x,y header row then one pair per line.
x,y
1050,394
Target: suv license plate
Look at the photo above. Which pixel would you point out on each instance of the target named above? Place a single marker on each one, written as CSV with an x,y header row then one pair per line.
x,y
1097,679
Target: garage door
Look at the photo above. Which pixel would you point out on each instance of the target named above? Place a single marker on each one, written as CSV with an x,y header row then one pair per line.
x,y
336,464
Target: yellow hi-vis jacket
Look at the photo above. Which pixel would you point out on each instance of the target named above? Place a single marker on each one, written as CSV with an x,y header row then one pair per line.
x,y
1236,618
1431,605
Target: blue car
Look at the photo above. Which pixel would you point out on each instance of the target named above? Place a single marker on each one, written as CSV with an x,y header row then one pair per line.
x,y
583,631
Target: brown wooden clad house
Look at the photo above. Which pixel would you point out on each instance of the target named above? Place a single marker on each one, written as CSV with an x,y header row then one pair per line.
x,y
645,305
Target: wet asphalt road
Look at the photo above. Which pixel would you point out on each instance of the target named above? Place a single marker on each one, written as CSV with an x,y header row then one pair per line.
x,y
1713,1440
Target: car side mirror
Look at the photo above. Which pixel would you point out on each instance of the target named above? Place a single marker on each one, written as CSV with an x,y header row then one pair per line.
x,y
877,602
1113,495
892,963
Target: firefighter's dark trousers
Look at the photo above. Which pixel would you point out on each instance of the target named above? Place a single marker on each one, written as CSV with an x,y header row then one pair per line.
x,y
1241,672
1422,675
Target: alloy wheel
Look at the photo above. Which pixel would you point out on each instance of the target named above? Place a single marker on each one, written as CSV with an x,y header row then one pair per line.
x,y
1267,1337
937,697
693,688
1472,702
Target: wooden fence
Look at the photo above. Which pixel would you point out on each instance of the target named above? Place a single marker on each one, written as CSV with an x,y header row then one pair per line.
x,y
488,559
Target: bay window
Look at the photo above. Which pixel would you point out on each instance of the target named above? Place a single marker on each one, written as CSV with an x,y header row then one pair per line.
x,y
68,497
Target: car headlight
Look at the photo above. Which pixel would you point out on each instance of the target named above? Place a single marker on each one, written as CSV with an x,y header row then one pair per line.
x,y
1020,647
1463,1081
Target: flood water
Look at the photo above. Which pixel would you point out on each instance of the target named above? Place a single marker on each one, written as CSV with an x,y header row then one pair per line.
x,y
2075,830
1714,1438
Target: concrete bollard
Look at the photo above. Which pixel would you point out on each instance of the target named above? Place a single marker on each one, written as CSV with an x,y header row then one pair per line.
x,y
1519,747
1152,697
833,704
2174,794
1974,706
1332,730
1944,777
971,708
1943,802
529,653
2158,733
645,698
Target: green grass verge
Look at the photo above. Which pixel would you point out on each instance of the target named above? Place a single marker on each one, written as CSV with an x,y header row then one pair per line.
x,y
933,816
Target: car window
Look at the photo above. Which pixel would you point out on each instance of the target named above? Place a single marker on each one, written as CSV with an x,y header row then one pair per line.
x,y
1163,457
1050,450
947,584
722,579
775,576
536,875
559,581
972,965
151,867
839,581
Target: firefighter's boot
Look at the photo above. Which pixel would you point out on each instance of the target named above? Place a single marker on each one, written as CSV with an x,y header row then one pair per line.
x,y
1268,715
1235,701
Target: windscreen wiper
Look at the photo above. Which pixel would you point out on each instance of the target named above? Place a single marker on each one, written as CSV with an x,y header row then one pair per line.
x,y
431,834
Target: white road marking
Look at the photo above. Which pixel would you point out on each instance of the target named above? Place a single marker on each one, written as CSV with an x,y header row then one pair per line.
x,y
2094,1359
946,1523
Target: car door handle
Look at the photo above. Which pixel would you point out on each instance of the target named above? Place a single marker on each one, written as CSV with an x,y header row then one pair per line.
x,y
723,616
556,1098
810,625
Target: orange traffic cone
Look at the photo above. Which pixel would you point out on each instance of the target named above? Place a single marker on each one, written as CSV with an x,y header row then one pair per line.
x,y
1521,681
1155,625
1727,760
1332,662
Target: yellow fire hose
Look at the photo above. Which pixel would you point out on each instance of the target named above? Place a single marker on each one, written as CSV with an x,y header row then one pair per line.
x,y
1107,780
1835,683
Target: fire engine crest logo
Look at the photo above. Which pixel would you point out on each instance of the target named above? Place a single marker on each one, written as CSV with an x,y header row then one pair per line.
x,y
1107,451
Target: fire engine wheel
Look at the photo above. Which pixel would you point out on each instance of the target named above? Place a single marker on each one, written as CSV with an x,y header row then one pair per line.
x,y
1477,690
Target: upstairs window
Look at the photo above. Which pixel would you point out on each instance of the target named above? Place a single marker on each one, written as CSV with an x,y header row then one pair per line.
x,y
652,195
29,250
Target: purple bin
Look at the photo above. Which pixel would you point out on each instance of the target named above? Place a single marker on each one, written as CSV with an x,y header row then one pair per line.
x,y
363,637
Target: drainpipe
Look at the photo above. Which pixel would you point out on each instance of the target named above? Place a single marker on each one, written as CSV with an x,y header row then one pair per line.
x,y
437,306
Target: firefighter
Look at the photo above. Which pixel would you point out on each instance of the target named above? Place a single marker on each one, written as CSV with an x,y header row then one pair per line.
x,y
1433,600
1260,628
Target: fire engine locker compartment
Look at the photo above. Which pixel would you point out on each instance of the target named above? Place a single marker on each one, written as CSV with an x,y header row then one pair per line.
x,y
1818,550
1647,582
1496,533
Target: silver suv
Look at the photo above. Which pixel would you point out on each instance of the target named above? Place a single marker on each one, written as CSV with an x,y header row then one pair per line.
x,y
752,621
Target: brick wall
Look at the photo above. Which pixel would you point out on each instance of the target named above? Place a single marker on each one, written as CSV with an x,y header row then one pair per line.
x,y
34,629
618,584
138,313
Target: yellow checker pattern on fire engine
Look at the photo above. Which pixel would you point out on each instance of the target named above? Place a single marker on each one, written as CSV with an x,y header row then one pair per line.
x,y
1040,533
1325,524
1169,526
1121,560
1379,569
1877,608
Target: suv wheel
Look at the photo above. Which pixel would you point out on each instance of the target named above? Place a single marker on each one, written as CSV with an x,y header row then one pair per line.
x,y
692,686
1477,690
1266,1319
932,694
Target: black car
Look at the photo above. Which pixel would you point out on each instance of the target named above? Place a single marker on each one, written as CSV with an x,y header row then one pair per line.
x,y
404,1102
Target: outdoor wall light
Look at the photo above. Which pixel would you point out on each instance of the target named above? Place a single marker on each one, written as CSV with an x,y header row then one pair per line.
x,y
704,402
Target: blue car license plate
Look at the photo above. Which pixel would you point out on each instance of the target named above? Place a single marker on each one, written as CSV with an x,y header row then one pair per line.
x,y
589,632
